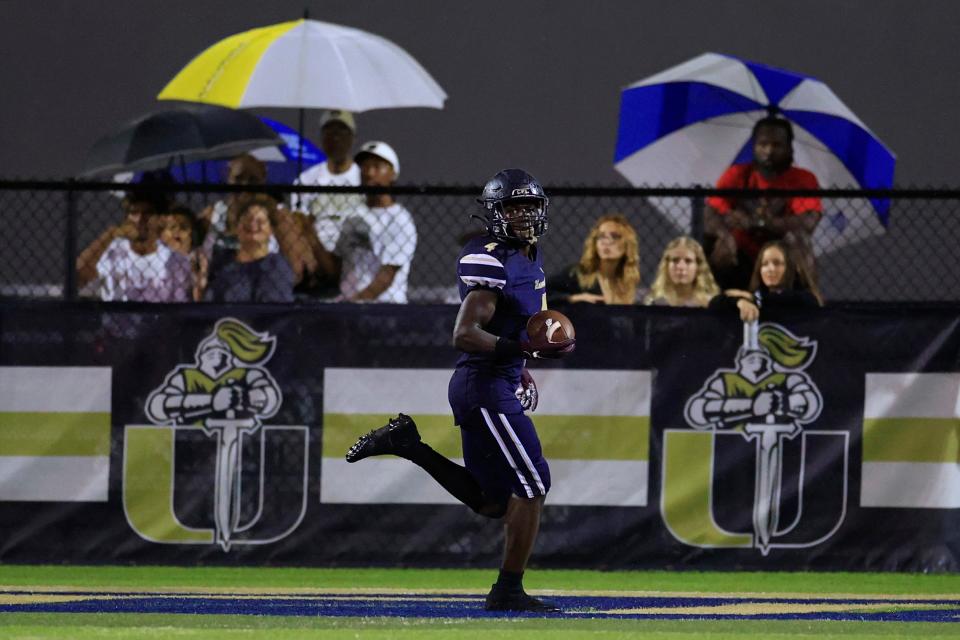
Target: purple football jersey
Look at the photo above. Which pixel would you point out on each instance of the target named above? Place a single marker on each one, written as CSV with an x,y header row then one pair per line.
x,y
487,263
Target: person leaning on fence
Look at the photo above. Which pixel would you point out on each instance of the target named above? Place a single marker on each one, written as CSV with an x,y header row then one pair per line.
x,y
376,245
779,281
141,199
683,276
609,267
254,273
736,228
135,265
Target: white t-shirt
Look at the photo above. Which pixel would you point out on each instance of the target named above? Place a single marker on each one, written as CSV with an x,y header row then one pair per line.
x,y
161,276
371,238
329,209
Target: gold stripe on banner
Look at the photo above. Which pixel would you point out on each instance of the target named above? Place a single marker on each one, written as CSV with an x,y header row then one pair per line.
x,y
148,487
54,434
595,437
911,440
562,437
687,494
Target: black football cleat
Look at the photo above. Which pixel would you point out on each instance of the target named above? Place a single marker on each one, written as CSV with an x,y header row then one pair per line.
x,y
395,437
504,600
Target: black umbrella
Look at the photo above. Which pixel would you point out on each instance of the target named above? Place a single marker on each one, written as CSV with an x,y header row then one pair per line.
x,y
179,134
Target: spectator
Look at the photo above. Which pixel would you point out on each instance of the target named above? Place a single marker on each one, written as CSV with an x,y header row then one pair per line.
x,y
254,274
220,220
136,266
609,267
179,229
683,277
778,282
376,244
736,228
142,200
326,211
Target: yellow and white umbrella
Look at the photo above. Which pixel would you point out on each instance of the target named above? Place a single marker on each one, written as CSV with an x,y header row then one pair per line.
x,y
306,64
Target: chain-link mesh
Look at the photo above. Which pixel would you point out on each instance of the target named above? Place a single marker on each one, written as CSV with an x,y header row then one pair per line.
x,y
890,246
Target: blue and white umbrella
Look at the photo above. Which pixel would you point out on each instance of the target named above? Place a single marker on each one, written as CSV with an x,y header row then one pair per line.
x,y
686,125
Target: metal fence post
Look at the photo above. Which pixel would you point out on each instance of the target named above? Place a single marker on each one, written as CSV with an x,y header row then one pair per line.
x,y
696,218
70,246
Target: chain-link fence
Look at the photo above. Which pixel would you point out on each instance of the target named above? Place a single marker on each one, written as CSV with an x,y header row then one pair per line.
x,y
77,240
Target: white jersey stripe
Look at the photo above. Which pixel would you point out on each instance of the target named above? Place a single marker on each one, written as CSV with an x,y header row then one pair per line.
x,y
484,282
506,452
523,453
481,258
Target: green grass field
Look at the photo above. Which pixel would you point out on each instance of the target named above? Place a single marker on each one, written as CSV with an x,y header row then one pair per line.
x,y
32,584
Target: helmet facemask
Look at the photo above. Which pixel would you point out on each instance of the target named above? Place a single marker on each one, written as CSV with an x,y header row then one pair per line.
x,y
516,207
519,219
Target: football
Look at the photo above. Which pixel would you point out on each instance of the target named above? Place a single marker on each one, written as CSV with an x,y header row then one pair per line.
x,y
550,326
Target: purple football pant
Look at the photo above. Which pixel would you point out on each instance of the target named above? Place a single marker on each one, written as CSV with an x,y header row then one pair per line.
x,y
502,452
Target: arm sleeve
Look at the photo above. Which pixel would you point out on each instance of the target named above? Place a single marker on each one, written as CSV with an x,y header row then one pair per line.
x,y
732,178
104,263
795,299
805,180
395,243
723,302
107,266
481,271
181,277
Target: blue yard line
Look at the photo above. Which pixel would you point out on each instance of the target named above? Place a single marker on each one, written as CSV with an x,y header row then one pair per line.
x,y
461,606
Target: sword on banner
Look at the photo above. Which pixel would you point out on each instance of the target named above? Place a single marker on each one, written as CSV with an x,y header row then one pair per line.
x,y
769,434
766,500
229,432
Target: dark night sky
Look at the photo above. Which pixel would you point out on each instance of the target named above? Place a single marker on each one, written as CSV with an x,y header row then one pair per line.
x,y
533,84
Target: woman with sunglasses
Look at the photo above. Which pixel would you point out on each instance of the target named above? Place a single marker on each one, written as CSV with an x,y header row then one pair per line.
x,y
609,267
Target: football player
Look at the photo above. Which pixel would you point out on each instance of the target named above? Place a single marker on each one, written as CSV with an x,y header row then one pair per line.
x,y
502,284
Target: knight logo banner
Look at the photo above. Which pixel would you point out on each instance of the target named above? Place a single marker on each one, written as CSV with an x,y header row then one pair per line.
x,y
828,439
219,402
766,405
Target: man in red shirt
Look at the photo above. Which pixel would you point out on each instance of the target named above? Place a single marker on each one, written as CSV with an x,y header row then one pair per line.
x,y
736,228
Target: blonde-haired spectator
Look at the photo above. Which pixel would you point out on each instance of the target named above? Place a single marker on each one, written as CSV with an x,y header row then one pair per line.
x,y
609,267
684,278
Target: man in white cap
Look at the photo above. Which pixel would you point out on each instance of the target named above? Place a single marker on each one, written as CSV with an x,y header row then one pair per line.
x,y
376,244
327,210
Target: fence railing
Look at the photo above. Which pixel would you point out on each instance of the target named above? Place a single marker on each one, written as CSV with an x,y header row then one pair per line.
x,y
897,245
